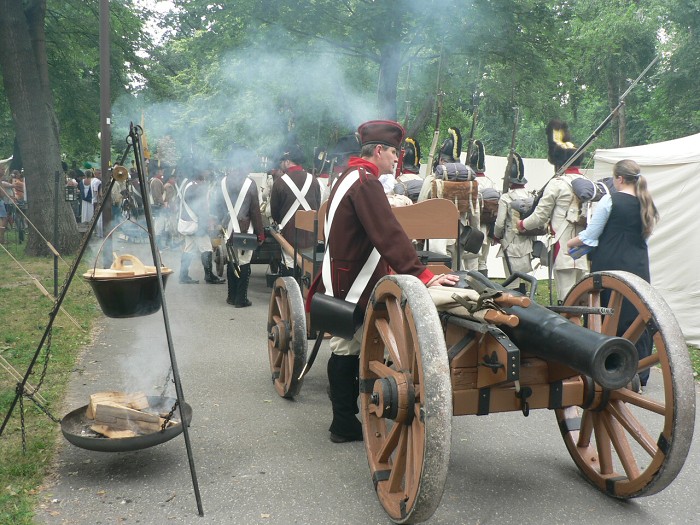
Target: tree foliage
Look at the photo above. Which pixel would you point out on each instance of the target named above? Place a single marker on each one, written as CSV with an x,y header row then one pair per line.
x,y
256,74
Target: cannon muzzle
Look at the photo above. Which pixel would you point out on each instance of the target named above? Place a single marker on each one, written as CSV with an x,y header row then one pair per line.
x,y
609,361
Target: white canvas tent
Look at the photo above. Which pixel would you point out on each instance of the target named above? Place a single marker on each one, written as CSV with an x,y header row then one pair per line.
x,y
672,170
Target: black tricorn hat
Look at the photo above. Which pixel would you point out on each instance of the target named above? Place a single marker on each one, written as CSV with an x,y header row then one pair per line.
x,y
452,146
517,170
411,154
560,148
478,158
294,153
385,132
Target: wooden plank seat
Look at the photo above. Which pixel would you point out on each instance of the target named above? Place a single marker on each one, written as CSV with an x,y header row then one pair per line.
x,y
430,219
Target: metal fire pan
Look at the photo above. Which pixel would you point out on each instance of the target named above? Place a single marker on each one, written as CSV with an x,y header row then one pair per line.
x,y
76,429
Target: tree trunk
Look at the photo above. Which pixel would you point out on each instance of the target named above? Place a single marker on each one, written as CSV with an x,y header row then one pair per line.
x,y
389,67
25,79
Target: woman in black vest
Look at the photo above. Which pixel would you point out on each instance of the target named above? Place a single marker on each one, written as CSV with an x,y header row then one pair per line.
x,y
619,230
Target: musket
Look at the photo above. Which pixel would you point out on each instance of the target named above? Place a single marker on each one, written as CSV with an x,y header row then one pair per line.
x,y
607,121
436,133
582,148
511,153
475,113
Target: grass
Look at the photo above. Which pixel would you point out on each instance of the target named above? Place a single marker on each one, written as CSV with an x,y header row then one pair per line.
x,y
24,316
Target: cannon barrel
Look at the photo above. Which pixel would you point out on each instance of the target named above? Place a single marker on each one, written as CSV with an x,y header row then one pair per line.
x,y
609,361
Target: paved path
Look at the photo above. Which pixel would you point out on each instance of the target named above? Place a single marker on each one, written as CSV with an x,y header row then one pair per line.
x,y
263,460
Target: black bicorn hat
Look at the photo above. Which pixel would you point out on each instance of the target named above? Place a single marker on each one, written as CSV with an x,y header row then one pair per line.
x,y
517,170
559,146
411,154
292,152
478,159
451,146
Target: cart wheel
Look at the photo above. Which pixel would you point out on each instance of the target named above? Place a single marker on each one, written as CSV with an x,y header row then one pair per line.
x,y
220,260
286,332
406,398
625,443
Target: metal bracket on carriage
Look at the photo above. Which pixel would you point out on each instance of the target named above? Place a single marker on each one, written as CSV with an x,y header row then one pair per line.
x,y
523,393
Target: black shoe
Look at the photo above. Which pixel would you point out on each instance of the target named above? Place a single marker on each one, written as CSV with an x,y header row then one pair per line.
x,y
215,280
335,438
230,301
188,280
243,304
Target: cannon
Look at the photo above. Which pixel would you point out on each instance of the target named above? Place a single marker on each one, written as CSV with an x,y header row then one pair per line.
x,y
487,350
418,368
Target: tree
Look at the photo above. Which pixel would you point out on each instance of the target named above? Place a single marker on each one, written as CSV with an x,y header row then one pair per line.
x,y
23,61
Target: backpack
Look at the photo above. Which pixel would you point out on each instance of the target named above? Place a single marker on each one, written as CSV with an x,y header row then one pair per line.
x,y
489,205
465,195
410,188
585,192
454,171
523,208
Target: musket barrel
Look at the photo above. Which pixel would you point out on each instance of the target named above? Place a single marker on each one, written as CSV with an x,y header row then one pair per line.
x,y
609,361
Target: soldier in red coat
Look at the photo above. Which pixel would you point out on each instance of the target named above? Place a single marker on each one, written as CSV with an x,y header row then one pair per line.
x,y
295,190
360,221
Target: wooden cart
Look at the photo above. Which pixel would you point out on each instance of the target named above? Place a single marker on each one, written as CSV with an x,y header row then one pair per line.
x,y
420,366
289,326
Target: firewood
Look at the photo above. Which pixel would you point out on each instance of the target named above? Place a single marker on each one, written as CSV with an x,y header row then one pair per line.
x,y
111,433
118,417
135,400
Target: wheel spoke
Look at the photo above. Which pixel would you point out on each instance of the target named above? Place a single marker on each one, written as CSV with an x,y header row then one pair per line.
x,y
594,322
389,445
383,371
387,335
398,328
622,446
584,437
636,329
278,359
648,361
280,306
602,441
639,400
398,470
610,323
620,412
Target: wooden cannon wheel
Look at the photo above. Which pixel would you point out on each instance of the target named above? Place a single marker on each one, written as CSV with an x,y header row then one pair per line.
x,y
625,443
406,398
286,332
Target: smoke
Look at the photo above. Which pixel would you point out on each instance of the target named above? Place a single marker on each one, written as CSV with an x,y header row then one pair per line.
x,y
256,101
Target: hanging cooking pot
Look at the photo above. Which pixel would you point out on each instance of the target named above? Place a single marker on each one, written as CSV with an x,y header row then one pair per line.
x,y
128,288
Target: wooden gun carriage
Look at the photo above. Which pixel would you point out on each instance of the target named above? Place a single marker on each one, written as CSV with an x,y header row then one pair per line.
x,y
486,350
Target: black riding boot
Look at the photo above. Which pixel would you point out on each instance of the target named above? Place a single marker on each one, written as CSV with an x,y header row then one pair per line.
x,y
185,261
232,284
242,293
209,276
343,371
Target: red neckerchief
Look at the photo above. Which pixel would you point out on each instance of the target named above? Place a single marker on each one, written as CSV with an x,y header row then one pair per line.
x,y
358,162
574,169
294,167
516,186
480,174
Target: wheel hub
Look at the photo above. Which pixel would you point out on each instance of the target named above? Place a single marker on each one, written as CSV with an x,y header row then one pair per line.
x,y
279,336
394,397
